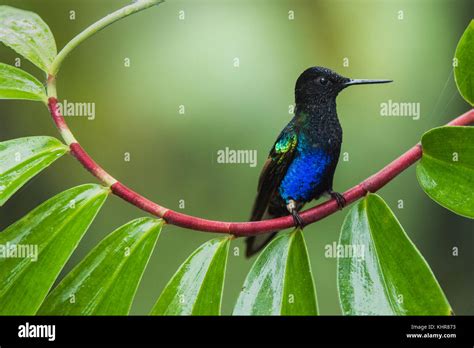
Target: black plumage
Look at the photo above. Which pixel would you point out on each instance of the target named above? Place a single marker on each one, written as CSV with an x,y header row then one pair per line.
x,y
302,162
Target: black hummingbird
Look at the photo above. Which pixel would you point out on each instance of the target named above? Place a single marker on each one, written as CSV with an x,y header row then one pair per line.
x,y
302,162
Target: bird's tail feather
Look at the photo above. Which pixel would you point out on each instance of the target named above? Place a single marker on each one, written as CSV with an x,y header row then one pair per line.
x,y
256,243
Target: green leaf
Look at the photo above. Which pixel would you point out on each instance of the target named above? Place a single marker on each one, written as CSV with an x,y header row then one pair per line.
x,y
105,282
280,281
43,240
446,169
464,71
21,159
379,270
196,288
18,84
28,35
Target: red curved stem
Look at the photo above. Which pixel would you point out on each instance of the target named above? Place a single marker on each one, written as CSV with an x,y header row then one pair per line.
x,y
371,184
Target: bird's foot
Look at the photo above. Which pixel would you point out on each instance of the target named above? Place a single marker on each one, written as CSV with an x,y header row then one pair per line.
x,y
299,223
341,201
291,206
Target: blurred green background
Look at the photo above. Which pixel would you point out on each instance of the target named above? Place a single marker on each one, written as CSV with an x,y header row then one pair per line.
x,y
190,62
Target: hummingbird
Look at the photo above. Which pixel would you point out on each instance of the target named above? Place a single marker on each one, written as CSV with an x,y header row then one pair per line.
x,y
303,160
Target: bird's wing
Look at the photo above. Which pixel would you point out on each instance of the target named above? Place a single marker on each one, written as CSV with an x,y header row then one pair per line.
x,y
274,170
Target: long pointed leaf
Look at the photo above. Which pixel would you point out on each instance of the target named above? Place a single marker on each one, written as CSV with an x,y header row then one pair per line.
x,y
196,288
21,159
280,281
381,272
28,35
18,84
105,282
43,241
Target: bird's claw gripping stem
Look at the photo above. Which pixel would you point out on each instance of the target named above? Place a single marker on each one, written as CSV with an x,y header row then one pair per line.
x,y
341,201
291,206
299,223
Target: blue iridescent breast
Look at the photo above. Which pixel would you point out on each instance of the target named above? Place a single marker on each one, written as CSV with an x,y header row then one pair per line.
x,y
305,173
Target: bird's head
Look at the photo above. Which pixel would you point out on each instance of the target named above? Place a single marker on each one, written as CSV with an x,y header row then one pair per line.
x,y
318,84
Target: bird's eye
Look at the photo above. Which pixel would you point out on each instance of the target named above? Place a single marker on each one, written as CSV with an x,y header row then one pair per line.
x,y
323,81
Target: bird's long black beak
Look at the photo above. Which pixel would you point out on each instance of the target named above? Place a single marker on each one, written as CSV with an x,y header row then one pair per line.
x,y
364,82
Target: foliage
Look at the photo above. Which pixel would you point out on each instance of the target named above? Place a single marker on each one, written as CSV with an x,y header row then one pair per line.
x,y
463,72
197,286
446,170
106,280
50,232
385,274
18,84
28,35
21,159
280,281
391,278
